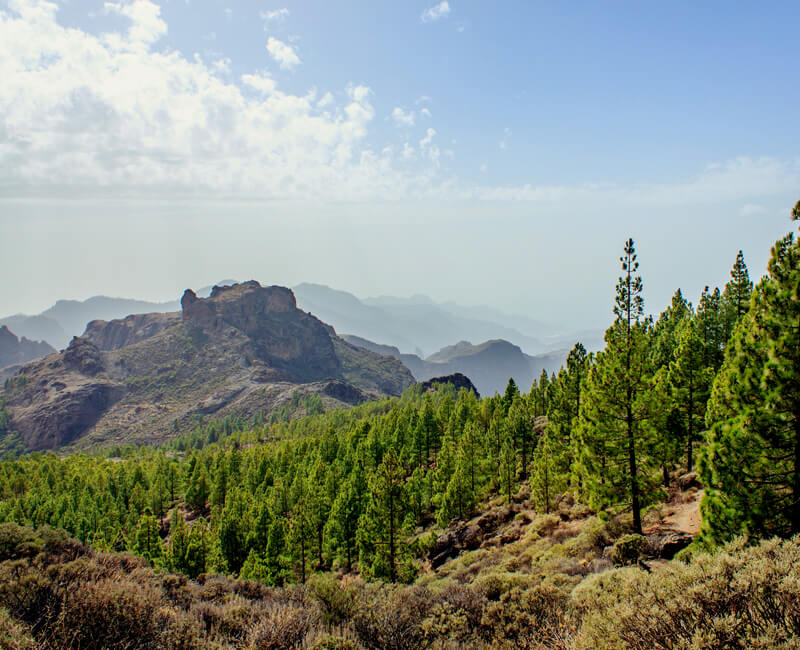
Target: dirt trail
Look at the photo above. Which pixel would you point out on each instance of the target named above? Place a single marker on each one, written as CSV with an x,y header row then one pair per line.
x,y
684,517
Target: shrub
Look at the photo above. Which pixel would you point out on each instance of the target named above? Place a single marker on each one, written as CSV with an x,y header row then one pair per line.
x,y
628,549
737,598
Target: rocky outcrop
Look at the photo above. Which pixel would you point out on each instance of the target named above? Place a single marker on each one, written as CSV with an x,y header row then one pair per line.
x,y
468,535
281,335
245,350
118,333
14,351
457,380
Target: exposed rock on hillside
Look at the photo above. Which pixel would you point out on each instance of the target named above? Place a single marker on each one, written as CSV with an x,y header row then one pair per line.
x,y
245,349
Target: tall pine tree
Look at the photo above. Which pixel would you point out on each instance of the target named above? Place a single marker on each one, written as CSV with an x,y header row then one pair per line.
x,y
751,467
617,439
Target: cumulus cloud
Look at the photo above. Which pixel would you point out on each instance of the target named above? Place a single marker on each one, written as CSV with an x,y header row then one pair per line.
x,y
276,15
119,113
84,114
436,12
425,112
403,118
283,53
260,82
147,25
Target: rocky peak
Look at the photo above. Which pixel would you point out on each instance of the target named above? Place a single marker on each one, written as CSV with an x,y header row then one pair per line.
x,y
240,305
83,356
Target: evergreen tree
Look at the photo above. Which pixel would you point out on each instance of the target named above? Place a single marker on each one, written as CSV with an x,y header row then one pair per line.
x,y
198,489
617,440
738,290
751,467
690,381
179,543
382,522
148,541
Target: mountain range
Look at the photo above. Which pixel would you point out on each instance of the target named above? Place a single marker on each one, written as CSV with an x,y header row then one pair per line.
x,y
245,350
488,365
415,325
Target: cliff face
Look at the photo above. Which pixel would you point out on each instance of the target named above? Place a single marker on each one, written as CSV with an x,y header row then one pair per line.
x,y
245,349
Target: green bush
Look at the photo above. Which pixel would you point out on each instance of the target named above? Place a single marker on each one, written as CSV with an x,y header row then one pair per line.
x,y
628,549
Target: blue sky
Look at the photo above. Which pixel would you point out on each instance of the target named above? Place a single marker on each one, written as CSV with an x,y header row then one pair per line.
x,y
420,136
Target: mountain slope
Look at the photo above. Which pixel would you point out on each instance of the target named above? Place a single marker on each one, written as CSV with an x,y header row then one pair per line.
x,y
244,350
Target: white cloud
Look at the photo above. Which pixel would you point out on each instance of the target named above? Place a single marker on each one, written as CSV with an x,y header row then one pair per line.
x,y
436,12
276,15
403,118
283,53
147,25
85,115
88,115
260,82
425,112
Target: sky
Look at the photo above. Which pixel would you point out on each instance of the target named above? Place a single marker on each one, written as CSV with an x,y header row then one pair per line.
x,y
493,153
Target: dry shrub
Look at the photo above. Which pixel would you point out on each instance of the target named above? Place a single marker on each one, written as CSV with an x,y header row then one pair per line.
x,y
336,599
738,598
530,618
280,626
388,617
108,613
14,635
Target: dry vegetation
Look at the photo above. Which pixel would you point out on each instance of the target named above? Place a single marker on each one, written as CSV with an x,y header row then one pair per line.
x,y
540,582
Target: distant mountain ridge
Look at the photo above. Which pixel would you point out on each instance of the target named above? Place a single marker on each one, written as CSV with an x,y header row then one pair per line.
x,y
67,318
488,365
416,324
15,351
244,350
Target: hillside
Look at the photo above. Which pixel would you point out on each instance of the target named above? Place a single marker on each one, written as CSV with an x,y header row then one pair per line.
x,y
244,350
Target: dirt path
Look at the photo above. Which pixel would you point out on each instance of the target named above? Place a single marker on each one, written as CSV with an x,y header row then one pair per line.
x,y
684,517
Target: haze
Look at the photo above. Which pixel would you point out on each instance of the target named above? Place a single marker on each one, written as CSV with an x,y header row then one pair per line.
x,y
487,154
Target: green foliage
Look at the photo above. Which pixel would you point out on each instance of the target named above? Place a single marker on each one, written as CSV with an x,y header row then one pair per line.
x,y
752,463
618,442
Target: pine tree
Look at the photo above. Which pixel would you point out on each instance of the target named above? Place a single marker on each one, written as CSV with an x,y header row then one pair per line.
x,y
198,489
690,381
751,467
347,508
179,543
233,527
381,526
617,440
740,287
148,541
